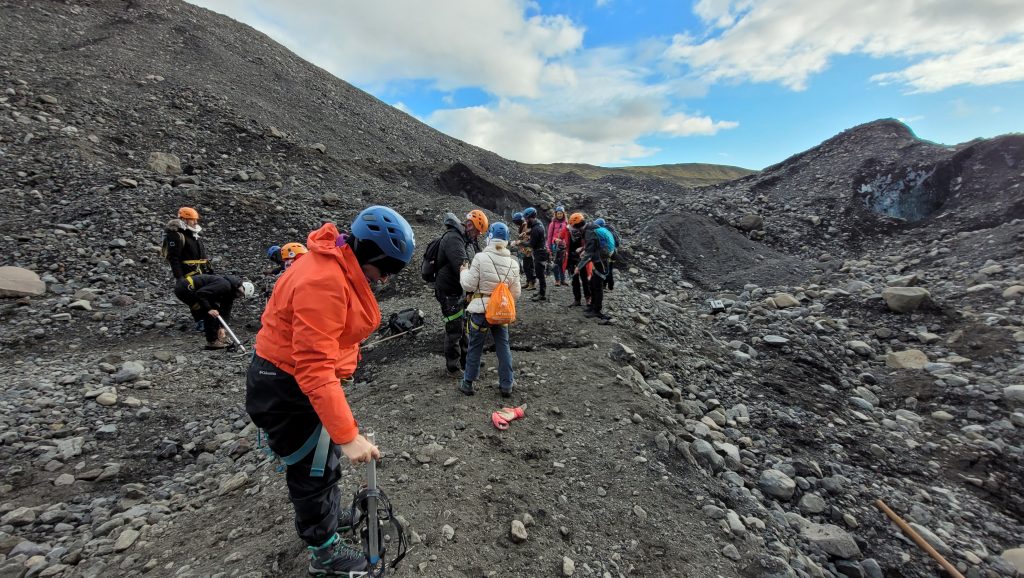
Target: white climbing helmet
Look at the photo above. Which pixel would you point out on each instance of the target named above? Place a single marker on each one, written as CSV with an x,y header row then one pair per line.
x,y
248,289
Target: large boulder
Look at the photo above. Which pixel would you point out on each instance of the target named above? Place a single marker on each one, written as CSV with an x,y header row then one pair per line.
x,y
905,299
776,484
164,164
909,359
18,282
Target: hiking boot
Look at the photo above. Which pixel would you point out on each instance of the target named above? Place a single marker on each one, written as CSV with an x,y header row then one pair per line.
x,y
466,387
576,303
335,558
530,287
453,373
591,313
218,343
506,392
538,298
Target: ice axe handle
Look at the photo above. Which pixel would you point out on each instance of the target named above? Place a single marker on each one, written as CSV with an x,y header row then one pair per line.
x,y
234,337
371,507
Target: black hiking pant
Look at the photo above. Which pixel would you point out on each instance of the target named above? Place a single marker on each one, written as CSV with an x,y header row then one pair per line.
x,y
540,265
456,344
597,286
210,324
609,280
531,273
580,283
277,406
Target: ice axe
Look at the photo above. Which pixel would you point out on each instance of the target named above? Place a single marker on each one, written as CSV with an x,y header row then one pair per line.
x,y
234,337
372,508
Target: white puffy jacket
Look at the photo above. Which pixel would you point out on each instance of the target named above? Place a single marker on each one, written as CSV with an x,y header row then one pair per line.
x,y
489,267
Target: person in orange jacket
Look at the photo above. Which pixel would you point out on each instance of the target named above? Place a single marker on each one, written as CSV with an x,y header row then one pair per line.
x,y
307,348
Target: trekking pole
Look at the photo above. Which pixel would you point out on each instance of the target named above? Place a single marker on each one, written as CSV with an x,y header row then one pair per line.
x,y
234,337
372,527
389,338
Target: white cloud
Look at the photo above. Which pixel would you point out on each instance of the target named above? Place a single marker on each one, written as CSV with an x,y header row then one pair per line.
x,y
598,118
553,100
457,43
787,41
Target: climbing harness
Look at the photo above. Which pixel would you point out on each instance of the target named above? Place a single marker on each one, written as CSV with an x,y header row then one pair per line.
x,y
374,521
319,442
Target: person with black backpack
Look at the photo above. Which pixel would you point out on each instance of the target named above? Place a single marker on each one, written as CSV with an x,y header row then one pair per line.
x,y
182,247
539,248
456,246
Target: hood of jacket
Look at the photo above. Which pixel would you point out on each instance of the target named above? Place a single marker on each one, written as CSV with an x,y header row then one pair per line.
x,y
175,225
498,247
450,220
326,241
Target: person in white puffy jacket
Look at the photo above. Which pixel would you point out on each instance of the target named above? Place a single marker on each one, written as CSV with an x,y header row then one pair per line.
x,y
490,267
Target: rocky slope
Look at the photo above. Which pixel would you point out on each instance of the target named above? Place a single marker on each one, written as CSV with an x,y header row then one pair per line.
x,y
672,441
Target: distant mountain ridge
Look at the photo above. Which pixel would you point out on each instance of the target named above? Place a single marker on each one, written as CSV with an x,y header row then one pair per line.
x,y
686,174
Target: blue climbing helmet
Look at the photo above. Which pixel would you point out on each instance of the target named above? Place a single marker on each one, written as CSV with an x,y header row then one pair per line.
x,y
599,222
517,217
559,209
498,231
272,251
383,238
529,212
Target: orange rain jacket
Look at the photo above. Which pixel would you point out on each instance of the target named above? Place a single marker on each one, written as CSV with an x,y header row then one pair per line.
x,y
321,309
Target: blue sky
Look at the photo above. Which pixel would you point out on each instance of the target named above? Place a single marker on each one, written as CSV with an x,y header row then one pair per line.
x,y
638,82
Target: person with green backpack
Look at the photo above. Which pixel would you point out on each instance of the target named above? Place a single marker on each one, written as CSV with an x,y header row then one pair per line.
x,y
493,280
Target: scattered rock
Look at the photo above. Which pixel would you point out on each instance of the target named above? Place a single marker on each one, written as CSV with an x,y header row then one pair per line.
x,y
776,484
905,299
164,164
909,359
18,282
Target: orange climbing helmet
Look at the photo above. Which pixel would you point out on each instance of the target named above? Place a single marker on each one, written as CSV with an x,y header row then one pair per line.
x,y
292,250
479,220
576,219
188,213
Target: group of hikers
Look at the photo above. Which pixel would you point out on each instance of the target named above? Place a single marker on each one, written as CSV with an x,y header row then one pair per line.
x,y
465,274
322,308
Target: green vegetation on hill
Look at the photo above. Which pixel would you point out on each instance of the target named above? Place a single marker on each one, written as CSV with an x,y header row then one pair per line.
x,y
688,174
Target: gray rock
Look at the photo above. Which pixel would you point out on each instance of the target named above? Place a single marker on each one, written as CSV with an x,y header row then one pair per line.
x,y
812,504
832,540
905,299
164,164
932,539
19,282
776,484
764,566
730,552
568,566
518,532
1014,393
130,371
706,456
750,222
19,517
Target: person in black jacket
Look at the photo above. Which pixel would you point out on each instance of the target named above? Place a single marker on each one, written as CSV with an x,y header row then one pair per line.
x,y
182,247
209,297
457,248
539,248
593,254
580,280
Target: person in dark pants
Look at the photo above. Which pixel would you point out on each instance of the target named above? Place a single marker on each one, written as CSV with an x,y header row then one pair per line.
x,y
609,282
308,348
182,247
458,246
593,254
539,247
209,297
522,243
580,279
